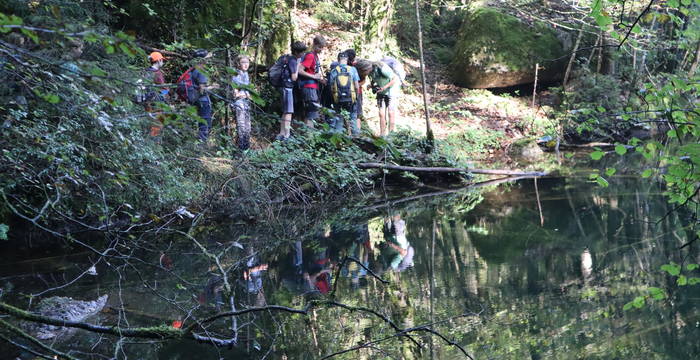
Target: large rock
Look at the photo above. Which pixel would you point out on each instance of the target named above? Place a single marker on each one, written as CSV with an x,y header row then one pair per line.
x,y
63,308
495,50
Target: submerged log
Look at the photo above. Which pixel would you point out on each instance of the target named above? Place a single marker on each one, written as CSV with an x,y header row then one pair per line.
x,y
372,165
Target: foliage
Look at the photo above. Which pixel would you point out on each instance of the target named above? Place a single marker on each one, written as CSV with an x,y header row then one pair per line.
x,y
323,159
332,12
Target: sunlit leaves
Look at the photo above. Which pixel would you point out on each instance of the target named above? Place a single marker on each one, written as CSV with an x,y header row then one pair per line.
x,y
601,181
7,22
597,155
620,149
48,97
656,293
673,269
647,173
638,303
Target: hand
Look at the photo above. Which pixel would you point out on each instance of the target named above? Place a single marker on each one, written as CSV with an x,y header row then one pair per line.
x,y
323,81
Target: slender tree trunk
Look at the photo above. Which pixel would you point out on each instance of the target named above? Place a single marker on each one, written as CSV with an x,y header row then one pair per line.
x,y
694,65
428,129
534,86
227,119
590,57
599,65
245,3
572,58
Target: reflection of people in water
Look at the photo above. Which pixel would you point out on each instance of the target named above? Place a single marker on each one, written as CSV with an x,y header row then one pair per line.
x,y
404,252
360,249
252,277
312,273
318,275
213,292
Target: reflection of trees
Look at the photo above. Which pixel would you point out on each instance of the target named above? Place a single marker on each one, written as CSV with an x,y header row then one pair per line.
x,y
467,253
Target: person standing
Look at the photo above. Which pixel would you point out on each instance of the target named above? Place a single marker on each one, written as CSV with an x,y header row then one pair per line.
x,y
343,82
310,70
156,94
387,86
241,103
200,83
352,61
290,76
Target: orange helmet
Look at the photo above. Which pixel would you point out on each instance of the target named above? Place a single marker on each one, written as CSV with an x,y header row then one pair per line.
x,y
156,56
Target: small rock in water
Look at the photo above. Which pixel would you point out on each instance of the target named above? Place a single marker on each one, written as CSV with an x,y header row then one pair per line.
x,y
92,271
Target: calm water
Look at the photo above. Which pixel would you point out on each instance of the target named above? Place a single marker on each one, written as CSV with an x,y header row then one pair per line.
x,y
489,268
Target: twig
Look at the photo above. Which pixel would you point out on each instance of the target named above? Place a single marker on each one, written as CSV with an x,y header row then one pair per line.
x,y
635,23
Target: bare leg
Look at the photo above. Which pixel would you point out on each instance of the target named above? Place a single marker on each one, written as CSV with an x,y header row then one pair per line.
x,y
285,124
382,121
392,120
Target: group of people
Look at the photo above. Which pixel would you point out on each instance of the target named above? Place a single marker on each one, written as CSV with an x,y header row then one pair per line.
x,y
305,89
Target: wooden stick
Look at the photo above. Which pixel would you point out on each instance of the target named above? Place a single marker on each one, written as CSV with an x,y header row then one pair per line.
x,y
373,165
534,87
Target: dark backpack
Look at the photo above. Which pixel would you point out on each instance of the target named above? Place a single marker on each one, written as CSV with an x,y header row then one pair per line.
x,y
145,92
279,74
185,87
342,86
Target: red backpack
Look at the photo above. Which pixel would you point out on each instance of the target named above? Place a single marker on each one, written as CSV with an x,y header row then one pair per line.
x,y
185,87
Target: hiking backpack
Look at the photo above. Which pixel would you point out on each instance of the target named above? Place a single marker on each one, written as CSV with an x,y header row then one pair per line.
x,y
280,74
145,92
342,86
397,67
185,87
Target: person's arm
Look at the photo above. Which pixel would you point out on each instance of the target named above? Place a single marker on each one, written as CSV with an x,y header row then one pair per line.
x,y
302,71
294,70
399,249
389,85
310,76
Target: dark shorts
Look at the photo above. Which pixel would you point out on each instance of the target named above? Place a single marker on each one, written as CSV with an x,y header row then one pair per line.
x,y
311,103
386,101
287,100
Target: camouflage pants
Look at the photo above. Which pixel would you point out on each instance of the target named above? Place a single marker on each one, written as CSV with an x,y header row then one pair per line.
x,y
242,107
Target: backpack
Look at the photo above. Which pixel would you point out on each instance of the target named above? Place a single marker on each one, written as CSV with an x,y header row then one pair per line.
x,y
144,92
279,74
397,67
185,87
342,86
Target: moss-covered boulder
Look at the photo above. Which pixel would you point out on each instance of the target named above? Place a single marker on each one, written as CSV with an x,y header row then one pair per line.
x,y
495,50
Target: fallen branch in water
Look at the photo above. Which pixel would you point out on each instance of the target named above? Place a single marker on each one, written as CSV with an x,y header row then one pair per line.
x,y
372,165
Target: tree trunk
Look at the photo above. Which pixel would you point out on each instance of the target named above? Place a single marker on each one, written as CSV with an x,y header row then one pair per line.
x,y
694,65
428,130
572,58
